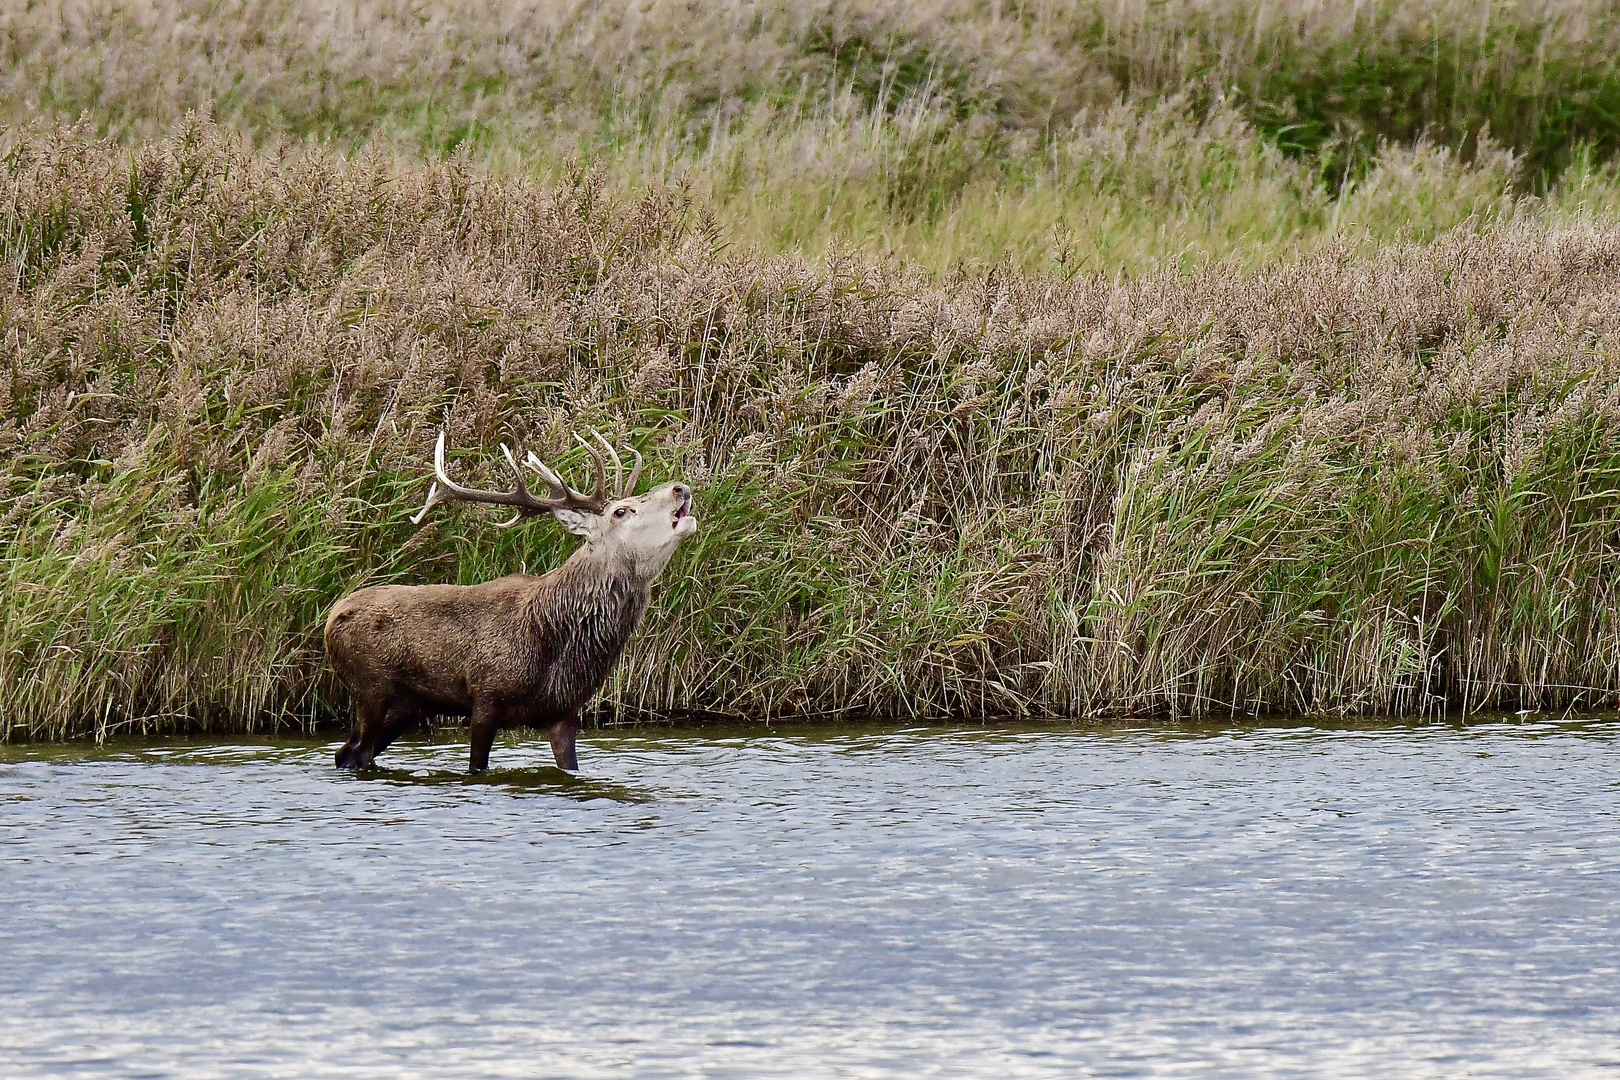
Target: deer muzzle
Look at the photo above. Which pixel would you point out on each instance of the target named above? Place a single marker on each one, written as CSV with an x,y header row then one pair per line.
x,y
681,519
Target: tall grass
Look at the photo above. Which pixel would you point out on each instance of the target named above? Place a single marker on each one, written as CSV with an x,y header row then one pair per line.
x,y
1058,135
1357,480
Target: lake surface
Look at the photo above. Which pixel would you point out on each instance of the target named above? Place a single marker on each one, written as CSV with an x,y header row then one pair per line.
x,y
1399,901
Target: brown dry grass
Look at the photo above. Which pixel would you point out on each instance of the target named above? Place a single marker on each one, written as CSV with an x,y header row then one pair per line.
x,y
1345,483
1073,133
539,66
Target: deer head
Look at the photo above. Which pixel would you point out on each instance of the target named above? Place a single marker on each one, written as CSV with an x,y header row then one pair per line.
x,y
644,527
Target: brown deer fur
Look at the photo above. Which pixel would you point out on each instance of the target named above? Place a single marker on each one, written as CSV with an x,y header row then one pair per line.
x,y
519,651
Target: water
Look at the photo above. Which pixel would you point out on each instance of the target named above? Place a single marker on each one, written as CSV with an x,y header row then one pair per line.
x,y
1412,901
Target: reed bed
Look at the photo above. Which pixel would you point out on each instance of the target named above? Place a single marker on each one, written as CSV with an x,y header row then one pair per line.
x,y
1353,481
1060,135
1539,74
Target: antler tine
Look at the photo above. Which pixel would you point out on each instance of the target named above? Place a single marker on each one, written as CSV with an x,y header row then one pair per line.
x,y
434,498
561,493
618,466
559,489
635,473
522,489
435,494
445,489
600,494
511,460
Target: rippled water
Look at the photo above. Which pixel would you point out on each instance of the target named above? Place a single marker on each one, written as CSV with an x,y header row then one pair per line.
x,y
1412,901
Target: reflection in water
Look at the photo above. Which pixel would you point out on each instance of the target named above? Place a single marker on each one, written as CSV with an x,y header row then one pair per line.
x,y
1246,902
544,780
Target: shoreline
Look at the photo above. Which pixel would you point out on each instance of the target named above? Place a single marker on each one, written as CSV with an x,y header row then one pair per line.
x,y
729,729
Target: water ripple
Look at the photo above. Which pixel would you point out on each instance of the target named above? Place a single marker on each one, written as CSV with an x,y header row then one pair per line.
x,y
1254,902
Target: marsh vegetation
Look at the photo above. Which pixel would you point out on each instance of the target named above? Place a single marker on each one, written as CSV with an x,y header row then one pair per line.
x,y
1094,136
1048,360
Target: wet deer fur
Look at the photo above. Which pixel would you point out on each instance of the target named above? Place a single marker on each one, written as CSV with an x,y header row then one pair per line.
x,y
520,651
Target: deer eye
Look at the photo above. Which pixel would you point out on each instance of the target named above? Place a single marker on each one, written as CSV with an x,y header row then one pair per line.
x,y
619,512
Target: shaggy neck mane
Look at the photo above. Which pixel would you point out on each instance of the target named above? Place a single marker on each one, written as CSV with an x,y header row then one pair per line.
x,y
586,609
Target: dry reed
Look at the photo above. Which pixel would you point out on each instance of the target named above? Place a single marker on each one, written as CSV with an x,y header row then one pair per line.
x,y
1103,136
1351,483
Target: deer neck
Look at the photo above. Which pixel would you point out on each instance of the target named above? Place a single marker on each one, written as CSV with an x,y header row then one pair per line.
x,y
593,583
583,614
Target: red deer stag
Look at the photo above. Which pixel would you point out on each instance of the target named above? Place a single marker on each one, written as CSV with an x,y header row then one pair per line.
x,y
519,651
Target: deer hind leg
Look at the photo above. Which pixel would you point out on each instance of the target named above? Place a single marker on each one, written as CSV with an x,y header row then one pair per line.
x,y
400,718
369,717
486,721
562,735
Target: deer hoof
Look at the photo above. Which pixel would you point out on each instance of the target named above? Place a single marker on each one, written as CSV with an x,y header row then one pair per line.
x,y
346,755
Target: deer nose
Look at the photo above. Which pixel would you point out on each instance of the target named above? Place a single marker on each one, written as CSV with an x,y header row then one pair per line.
x,y
680,490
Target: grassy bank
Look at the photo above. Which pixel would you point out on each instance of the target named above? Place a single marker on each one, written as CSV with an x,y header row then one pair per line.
x,y
1355,481
1062,136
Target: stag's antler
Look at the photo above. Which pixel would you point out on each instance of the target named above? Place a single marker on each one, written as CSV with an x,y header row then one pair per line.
x,y
560,495
621,487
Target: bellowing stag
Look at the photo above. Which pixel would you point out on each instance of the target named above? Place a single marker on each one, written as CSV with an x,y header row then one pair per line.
x,y
519,651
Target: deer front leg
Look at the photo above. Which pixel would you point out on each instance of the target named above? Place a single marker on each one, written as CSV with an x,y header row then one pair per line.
x,y
562,735
486,721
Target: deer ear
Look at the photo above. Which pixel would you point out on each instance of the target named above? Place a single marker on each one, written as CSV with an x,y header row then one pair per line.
x,y
575,522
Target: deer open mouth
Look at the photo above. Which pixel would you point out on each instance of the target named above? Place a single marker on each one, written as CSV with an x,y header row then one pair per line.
x,y
683,510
